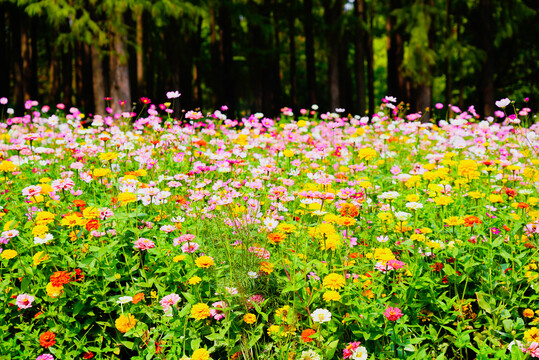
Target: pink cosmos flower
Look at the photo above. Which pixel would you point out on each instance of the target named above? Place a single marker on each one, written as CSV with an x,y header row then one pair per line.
x,y
190,247
24,301
393,313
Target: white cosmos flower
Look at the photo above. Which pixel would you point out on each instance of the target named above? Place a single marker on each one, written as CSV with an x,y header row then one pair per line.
x,y
124,300
503,103
321,316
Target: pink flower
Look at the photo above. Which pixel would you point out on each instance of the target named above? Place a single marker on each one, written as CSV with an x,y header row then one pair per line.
x,y
348,351
215,313
439,106
190,247
31,190
63,184
24,301
144,244
393,313
169,301
45,357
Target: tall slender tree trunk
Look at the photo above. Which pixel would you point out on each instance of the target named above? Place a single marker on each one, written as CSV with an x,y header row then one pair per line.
x,y
98,81
292,51
214,59
395,52
67,75
309,50
140,50
79,76
119,74
448,76
26,58
487,41
332,13
16,42
370,59
359,58
197,49
227,79
54,70
4,41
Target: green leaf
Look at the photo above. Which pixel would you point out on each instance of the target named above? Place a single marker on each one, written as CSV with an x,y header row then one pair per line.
x,y
485,301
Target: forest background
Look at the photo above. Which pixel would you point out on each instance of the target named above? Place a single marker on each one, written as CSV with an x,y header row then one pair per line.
x,y
262,55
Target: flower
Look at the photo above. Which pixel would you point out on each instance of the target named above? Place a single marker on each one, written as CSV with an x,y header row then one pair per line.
x,y
528,313
173,94
54,291
249,318
201,354
266,267
393,313
194,280
168,301
138,298
331,296
59,278
532,335
503,103
125,323
334,281
24,301
124,300
360,353
200,311
309,355
204,262
8,254
47,339
216,313
306,335
45,357
321,316
350,349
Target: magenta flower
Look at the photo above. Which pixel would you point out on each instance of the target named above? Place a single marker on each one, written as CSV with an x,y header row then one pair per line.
x,y
216,313
45,357
144,244
24,301
393,313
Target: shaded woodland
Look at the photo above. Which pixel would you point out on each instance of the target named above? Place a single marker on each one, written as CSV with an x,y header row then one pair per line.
x,y
261,55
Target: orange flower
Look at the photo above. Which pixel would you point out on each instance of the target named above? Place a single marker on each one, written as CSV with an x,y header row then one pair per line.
x,y
350,210
470,220
92,225
79,203
523,205
60,278
47,339
306,335
138,297
276,238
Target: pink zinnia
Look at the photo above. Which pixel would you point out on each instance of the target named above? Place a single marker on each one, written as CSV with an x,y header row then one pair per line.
x,y
63,184
348,351
45,357
31,190
215,313
144,244
24,301
393,313
169,301
190,247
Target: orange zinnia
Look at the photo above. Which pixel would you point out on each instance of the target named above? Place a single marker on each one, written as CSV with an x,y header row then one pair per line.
x,y
138,297
470,220
306,335
348,209
47,339
60,278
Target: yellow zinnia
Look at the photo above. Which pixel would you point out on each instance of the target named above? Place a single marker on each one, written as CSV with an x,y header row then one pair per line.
x,y
125,322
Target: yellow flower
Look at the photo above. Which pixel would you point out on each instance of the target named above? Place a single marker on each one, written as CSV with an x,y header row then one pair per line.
x,y
288,153
44,218
101,172
383,254
454,221
72,220
495,198
40,230
91,212
331,296
125,322
201,354
330,242
367,154
532,335
266,266
108,156
334,281
204,262
8,254
286,228
412,198
194,280
384,216
273,330
476,194
39,257
443,200
528,313
7,166
46,188
249,318
200,311
126,198
54,291
178,258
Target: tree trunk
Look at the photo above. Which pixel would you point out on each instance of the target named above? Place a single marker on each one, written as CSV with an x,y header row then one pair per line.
x,y
119,74
67,75
332,13
395,52
4,41
292,50
370,59
309,50
140,51
448,33
214,59
197,48
98,81
227,79
487,41
79,77
26,58
359,59
18,93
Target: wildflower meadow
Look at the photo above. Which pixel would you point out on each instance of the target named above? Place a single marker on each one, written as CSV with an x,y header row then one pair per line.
x,y
181,235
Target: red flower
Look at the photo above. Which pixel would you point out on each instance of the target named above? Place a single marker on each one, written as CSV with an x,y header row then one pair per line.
x,y
306,335
47,339
470,220
437,267
92,225
60,278
88,355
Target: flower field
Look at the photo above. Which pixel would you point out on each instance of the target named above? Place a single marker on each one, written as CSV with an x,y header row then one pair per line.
x,y
312,236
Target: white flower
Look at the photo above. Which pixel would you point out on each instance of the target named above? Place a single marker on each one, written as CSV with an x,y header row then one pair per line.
x,y
321,316
402,216
391,98
314,107
252,274
360,353
309,355
270,223
382,238
45,239
414,205
389,195
173,94
319,213
124,300
503,103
